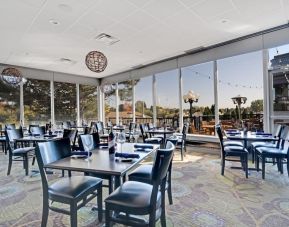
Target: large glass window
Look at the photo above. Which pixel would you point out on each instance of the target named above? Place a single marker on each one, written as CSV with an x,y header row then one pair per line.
x,y
125,101
64,102
9,103
199,79
110,102
144,100
241,77
37,101
167,91
279,77
88,103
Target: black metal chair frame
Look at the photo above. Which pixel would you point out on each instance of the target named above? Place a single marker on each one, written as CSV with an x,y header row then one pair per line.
x,y
52,151
278,154
114,212
11,135
232,151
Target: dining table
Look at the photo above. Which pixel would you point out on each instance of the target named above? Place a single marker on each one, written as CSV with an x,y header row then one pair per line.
x,y
161,131
249,136
103,163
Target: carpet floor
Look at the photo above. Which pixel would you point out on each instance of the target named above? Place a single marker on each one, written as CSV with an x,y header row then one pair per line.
x,y
202,197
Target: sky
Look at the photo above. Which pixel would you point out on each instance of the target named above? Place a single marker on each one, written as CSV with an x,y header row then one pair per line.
x,y
238,75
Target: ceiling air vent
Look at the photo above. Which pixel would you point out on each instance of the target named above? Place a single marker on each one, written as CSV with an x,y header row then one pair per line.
x,y
106,38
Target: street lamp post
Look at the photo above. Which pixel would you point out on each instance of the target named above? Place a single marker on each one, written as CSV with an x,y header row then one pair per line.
x,y
190,98
239,100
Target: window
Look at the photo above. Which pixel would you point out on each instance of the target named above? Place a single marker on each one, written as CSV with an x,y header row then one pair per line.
x,y
125,102
143,100
88,103
9,103
242,76
199,79
64,102
167,102
110,102
37,101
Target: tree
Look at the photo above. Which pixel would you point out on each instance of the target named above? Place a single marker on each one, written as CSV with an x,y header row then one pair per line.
x,y
257,106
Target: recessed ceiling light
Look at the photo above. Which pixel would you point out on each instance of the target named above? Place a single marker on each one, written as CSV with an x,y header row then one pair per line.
x,y
223,21
54,22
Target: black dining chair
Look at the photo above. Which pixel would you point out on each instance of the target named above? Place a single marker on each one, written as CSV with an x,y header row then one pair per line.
x,y
180,140
37,130
129,134
228,153
269,144
144,174
3,140
76,191
229,142
10,126
17,154
72,135
66,125
147,139
270,154
31,126
137,198
99,128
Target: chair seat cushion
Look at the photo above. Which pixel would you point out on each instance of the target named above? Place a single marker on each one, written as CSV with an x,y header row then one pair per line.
x,y
142,174
22,150
153,140
271,151
234,150
70,188
233,143
132,197
263,144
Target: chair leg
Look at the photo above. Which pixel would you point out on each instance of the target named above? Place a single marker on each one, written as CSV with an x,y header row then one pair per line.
x,y
163,205
33,160
26,164
246,165
73,215
107,217
253,154
45,212
99,203
223,166
263,167
182,155
9,165
287,160
69,173
257,162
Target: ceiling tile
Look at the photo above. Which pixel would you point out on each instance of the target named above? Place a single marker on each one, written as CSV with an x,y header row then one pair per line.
x,y
156,8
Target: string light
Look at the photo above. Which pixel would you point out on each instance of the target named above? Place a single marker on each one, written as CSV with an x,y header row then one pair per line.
x,y
225,82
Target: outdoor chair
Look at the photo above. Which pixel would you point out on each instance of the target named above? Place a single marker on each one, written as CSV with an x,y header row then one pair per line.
x,y
137,198
76,191
17,154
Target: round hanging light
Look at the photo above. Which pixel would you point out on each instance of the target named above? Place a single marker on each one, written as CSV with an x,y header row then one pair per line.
x,y
11,76
96,61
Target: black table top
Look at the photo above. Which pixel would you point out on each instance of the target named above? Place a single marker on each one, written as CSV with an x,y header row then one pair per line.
x,y
102,162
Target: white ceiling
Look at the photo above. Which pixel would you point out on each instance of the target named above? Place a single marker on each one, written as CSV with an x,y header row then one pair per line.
x,y
148,30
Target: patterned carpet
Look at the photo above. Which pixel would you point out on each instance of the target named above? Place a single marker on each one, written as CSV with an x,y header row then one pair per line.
x,y
202,197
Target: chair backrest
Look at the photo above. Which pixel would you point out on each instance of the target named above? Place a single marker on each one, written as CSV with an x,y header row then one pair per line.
x,y
160,168
277,130
87,130
131,126
72,135
66,125
109,124
10,126
48,152
283,137
40,130
13,134
143,133
31,126
99,127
